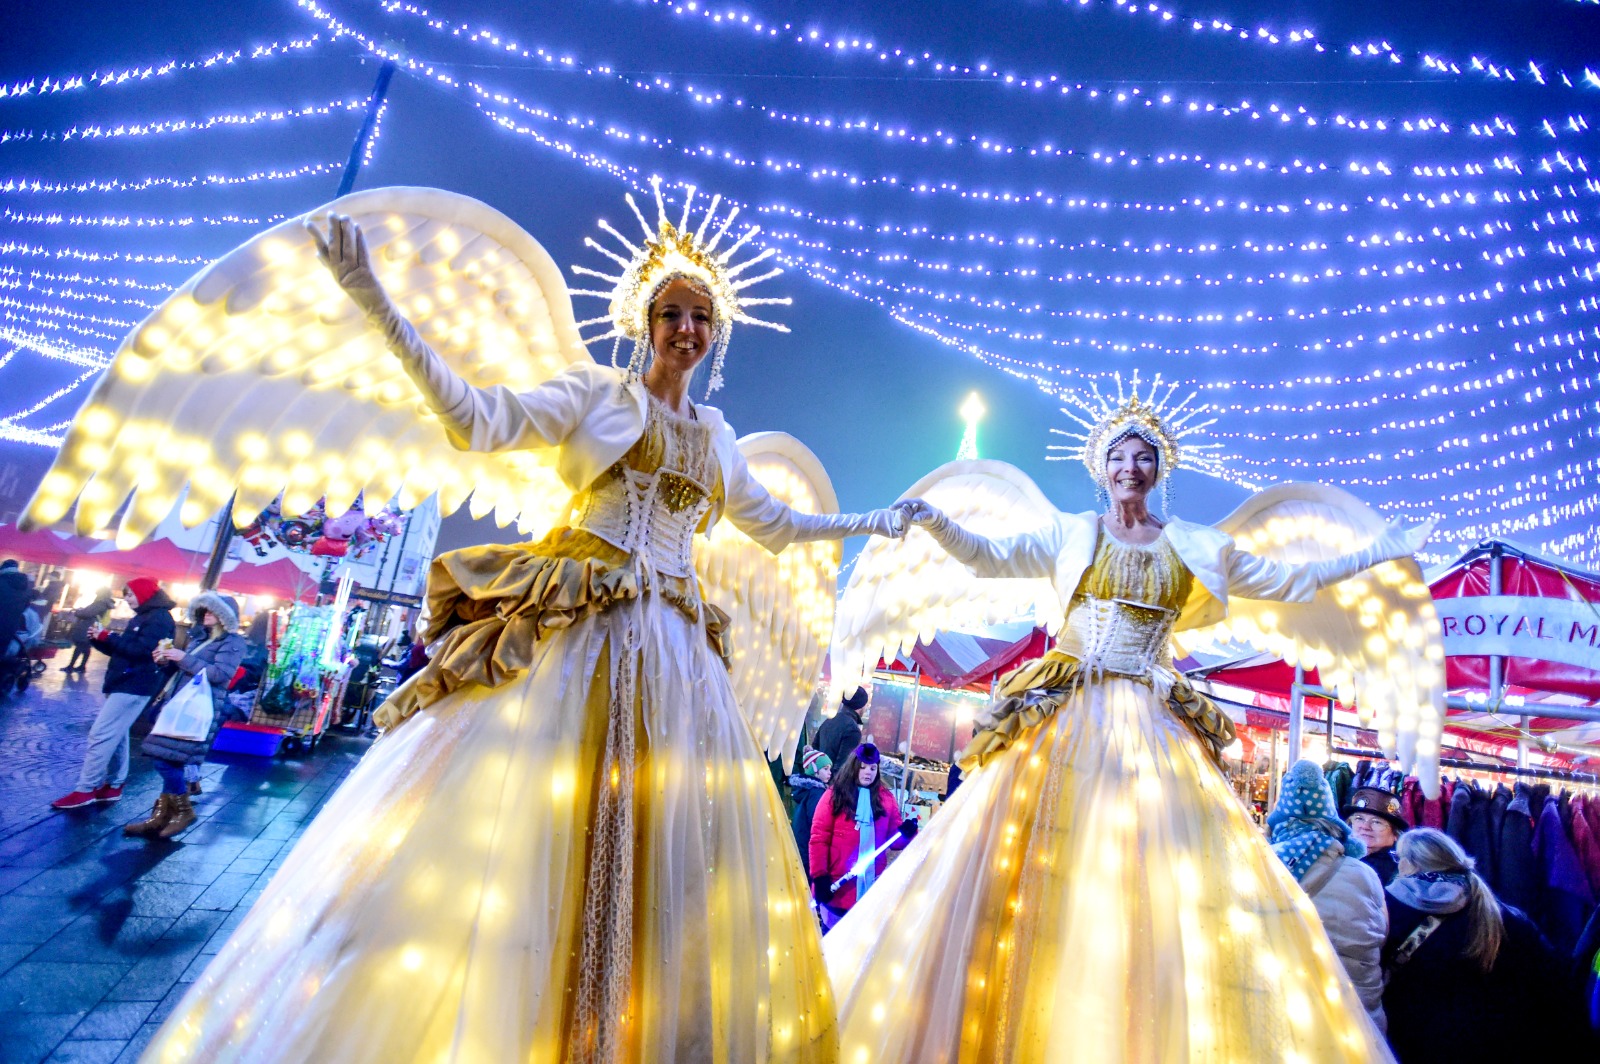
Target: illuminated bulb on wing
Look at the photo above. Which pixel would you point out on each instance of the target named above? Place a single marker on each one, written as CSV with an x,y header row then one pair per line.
x,y
133,370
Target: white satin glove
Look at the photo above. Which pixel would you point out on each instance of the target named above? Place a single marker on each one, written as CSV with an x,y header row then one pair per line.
x,y
1393,544
343,250
887,523
957,542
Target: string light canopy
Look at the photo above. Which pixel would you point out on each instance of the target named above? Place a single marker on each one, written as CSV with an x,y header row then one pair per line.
x,y
1370,251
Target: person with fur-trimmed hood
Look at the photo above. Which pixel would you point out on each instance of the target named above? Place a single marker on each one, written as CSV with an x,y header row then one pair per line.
x,y
215,648
807,787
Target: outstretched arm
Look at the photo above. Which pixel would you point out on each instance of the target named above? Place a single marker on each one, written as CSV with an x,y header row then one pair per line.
x,y
1250,576
477,419
1031,554
774,524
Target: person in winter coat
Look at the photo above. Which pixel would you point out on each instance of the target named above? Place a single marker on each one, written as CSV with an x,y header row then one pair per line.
x,y
85,620
132,678
840,734
807,786
1325,858
1468,975
16,591
34,620
1374,818
215,648
855,800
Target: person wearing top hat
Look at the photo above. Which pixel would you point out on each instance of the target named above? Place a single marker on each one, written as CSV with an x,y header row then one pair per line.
x,y
1374,818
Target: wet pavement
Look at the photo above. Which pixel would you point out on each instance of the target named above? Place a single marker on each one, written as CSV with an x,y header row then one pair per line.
x,y
100,934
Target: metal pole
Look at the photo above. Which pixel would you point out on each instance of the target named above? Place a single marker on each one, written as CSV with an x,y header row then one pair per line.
x,y
1297,713
219,547
1328,705
1590,713
358,152
1496,662
911,732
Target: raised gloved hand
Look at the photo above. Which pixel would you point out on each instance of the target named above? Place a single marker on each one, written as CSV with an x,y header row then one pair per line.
x,y
909,828
343,250
1392,544
1397,542
822,889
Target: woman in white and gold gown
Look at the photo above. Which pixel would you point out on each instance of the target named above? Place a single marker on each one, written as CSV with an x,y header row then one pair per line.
x,y
567,846
1094,892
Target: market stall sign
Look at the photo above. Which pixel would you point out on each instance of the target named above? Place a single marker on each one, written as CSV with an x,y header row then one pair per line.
x,y
1513,626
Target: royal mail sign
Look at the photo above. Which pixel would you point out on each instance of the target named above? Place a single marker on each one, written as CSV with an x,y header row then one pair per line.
x,y
1546,629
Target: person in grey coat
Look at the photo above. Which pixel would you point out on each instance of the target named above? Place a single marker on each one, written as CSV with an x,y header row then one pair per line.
x,y
215,648
1325,859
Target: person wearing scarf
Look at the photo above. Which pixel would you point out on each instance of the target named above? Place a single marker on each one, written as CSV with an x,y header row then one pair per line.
x,y
1471,978
855,817
1325,859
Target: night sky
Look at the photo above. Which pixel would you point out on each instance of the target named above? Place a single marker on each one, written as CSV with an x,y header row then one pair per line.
x,y
1408,312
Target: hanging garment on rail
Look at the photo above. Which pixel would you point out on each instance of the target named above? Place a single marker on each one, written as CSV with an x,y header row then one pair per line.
x,y
1568,900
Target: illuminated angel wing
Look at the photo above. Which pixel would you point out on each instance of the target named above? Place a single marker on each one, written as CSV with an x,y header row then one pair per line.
x,y
260,375
1375,636
781,605
906,589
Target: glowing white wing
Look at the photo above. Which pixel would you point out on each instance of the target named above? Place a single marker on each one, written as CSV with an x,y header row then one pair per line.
x,y
1375,636
260,375
781,605
903,590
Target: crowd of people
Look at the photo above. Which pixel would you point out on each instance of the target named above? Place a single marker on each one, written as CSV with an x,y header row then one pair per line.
x,y
144,672
1446,969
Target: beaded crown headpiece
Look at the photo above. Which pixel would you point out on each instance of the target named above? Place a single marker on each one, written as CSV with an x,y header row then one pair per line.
x,y
671,252
1152,416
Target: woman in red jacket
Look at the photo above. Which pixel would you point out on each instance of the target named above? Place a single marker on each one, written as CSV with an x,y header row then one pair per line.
x,y
855,798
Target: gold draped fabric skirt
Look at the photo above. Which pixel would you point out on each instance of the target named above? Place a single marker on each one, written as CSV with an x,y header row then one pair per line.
x,y
588,862
1093,893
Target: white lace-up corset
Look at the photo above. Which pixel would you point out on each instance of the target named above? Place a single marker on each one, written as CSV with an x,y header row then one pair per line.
x,y
1121,618
651,502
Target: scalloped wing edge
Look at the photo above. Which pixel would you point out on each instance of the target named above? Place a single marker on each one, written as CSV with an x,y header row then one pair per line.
x,y
882,614
73,469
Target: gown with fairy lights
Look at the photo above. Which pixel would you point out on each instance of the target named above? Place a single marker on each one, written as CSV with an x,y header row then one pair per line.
x,y
584,862
1094,892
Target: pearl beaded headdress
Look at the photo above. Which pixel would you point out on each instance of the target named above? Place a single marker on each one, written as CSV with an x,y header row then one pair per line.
x,y
1152,416
671,252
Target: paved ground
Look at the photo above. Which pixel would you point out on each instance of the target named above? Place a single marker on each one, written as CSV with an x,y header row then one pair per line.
x,y
101,934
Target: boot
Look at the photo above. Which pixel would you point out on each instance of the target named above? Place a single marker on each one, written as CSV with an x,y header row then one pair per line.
x,y
194,787
159,816
181,817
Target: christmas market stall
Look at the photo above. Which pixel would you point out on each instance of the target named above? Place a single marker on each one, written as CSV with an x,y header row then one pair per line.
x,y
1522,661
924,702
359,577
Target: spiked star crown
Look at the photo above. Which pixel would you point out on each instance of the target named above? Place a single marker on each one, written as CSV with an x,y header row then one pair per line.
x,y
1152,416
671,252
